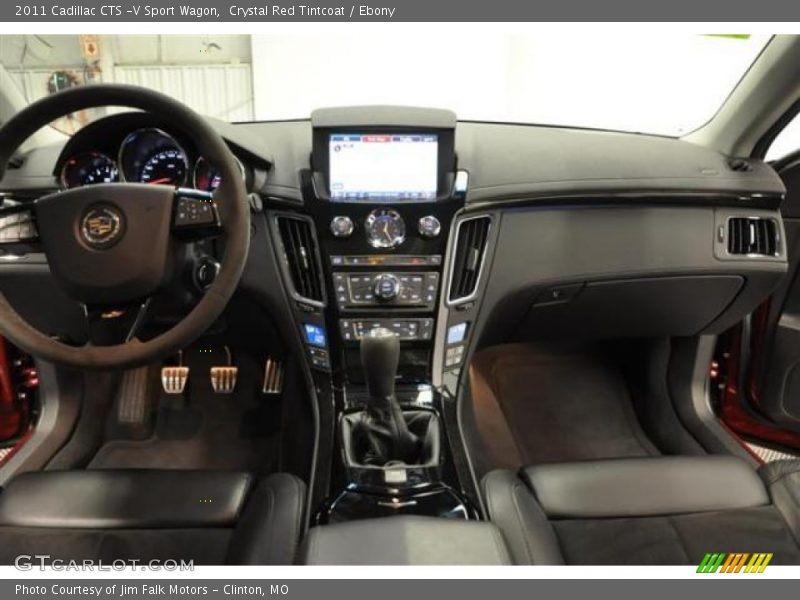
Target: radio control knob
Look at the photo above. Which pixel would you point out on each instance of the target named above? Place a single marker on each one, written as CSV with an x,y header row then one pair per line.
x,y
429,226
342,226
387,287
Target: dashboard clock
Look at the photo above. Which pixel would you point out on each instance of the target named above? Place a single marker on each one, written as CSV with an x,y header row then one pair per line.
x,y
385,228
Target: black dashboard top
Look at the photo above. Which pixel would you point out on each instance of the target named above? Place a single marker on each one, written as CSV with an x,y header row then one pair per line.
x,y
507,163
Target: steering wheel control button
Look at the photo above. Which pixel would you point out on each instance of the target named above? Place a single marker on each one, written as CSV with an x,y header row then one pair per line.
x,y
195,213
102,226
429,227
342,226
387,287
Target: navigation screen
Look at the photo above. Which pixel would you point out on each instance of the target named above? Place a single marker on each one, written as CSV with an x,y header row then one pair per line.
x,y
383,167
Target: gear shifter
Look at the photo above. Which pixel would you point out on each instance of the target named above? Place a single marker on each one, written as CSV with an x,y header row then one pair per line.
x,y
383,425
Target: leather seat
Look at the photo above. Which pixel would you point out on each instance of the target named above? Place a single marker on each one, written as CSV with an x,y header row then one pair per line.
x,y
646,511
210,517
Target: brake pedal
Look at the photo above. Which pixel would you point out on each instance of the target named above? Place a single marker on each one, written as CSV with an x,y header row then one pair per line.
x,y
173,379
273,376
223,379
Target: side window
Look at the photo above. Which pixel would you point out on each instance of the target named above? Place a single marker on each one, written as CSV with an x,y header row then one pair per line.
x,y
787,141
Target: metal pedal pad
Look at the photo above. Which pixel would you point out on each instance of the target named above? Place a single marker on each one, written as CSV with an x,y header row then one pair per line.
x,y
173,379
273,377
223,379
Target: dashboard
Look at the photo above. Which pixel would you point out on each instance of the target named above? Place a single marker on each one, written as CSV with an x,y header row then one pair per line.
x,y
454,234
133,148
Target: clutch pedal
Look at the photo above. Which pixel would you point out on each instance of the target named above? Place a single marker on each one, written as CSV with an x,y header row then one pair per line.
x,y
273,376
223,379
173,379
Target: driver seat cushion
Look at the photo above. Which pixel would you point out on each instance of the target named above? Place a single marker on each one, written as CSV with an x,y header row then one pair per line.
x,y
640,511
210,517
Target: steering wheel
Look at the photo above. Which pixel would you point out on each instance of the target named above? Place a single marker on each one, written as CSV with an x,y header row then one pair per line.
x,y
110,246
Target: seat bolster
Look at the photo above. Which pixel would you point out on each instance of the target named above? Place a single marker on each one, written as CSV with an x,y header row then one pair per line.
x,y
783,480
638,487
511,507
272,523
124,499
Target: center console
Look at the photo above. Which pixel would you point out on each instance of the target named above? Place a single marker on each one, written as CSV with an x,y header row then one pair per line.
x,y
382,193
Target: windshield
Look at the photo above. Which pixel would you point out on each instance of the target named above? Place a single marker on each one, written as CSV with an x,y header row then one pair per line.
x,y
662,84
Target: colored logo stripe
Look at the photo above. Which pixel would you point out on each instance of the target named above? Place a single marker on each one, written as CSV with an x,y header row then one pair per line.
x,y
735,562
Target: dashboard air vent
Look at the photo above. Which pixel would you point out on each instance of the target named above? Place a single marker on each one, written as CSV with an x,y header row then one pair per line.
x,y
470,251
752,236
300,251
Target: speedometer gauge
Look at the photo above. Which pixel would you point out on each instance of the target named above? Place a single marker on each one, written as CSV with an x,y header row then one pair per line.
x,y
152,156
88,168
167,167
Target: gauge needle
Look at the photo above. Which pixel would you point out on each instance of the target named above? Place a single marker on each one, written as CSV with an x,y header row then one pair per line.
x,y
156,181
386,231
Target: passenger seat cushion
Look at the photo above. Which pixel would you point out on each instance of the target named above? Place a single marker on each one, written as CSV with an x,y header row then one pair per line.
x,y
524,525
639,487
675,540
783,479
650,511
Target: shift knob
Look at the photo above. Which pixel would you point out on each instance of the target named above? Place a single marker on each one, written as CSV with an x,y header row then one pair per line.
x,y
380,354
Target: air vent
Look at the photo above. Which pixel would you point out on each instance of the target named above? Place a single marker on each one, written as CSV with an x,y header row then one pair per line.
x,y
300,251
470,251
752,236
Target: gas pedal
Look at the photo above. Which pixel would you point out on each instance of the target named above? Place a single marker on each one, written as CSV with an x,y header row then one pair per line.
x,y
173,379
223,379
273,376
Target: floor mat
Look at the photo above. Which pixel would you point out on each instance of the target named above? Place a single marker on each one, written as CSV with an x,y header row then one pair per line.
x,y
536,405
204,430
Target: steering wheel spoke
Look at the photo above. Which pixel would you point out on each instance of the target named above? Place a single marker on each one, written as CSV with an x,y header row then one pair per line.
x,y
195,215
18,223
109,326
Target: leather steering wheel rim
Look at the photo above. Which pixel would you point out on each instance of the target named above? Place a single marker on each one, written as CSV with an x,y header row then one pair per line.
x,y
233,212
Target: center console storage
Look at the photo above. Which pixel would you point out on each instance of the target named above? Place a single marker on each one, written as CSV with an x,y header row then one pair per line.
x,y
406,541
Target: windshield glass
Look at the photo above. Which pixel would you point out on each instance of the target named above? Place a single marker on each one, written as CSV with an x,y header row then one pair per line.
x,y
663,84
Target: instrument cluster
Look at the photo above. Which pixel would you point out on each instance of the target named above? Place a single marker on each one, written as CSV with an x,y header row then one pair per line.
x,y
146,155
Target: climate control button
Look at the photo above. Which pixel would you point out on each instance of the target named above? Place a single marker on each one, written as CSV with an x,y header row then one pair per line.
x,y
387,287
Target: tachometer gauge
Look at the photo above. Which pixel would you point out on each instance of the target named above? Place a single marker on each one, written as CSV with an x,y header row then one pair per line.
x,y
385,228
207,177
152,156
88,168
